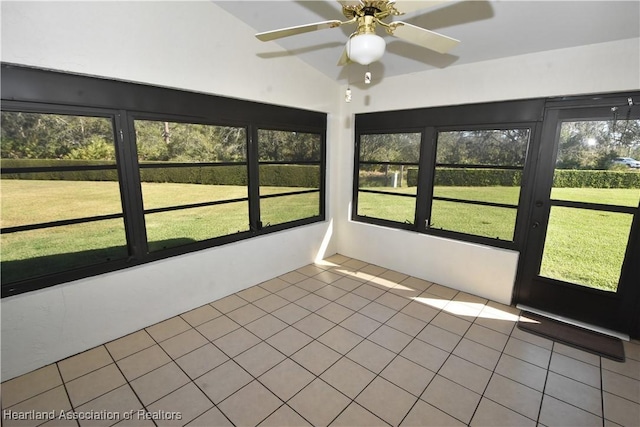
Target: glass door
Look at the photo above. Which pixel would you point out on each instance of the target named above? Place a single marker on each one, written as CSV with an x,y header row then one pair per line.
x,y
582,256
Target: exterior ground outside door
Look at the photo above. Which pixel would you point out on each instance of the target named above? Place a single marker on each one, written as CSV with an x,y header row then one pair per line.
x,y
582,253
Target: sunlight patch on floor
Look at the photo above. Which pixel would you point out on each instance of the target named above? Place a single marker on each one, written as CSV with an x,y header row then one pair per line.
x,y
471,309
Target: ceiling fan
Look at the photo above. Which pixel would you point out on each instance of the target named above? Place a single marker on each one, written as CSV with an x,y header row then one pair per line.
x,y
364,45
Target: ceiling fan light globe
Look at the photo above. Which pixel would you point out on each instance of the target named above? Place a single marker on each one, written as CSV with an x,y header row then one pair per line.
x,y
365,48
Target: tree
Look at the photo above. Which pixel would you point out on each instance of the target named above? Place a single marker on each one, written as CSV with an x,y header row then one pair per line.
x,y
393,147
187,142
593,144
483,147
53,136
275,145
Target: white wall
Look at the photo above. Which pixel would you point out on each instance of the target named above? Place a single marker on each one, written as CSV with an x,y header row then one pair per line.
x,y
477,269
603,67
175,44
192,45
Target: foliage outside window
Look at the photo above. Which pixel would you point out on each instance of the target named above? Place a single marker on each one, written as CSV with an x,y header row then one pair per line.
x,y
387,176
477,181
594,144
194,181
61,202
290,170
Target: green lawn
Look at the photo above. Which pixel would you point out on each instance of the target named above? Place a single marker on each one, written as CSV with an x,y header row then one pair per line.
x,y
585,247
465,218
31,253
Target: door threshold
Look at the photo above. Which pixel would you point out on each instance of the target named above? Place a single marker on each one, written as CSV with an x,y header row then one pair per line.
x,y
573,322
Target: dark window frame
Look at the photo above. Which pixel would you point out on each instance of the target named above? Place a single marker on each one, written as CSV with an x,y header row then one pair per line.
x,y
531,126
356,176
486,116
254,153
36,90
143,116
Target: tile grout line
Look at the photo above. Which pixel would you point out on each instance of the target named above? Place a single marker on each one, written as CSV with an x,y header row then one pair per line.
x,y
376,375
415,337
601,392
353,400
181,369
261,340
286,357
132,390
445,361
108,391
493,372
544,387
64,384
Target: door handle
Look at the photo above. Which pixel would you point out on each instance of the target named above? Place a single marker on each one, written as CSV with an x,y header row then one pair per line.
x,y
536,224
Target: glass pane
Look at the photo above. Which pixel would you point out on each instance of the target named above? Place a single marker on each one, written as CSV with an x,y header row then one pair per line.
x,y
287,178
585,247
596,162
484,221
286,146
165,187
484,185
160,141
50,141
506,147
36,201
392,147
28,254
386,206
392,178
278,210
181,227
51,138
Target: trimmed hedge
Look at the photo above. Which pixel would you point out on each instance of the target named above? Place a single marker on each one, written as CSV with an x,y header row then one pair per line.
x,y
290,176
88,175
378,179
563,178
595,179
478,177
219,175
470,177
270,175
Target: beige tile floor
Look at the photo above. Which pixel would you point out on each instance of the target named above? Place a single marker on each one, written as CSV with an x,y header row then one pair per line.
x,y
341,343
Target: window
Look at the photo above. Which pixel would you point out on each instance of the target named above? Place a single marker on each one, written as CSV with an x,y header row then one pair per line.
x,y
194,181
456,171
100,175
387,176
290,176
477,181
61,202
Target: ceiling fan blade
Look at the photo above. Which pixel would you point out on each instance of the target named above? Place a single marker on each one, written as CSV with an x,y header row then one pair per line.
x,y
408,6
299,29
349,3
344,58
423,37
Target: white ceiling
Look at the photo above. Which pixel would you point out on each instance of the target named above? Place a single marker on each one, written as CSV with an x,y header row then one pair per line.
x,y
487,30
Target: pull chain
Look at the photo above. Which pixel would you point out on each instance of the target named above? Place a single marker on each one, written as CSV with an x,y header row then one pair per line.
x,y
347,93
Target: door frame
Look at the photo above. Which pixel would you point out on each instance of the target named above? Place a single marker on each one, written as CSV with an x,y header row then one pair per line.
x,y
617,311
